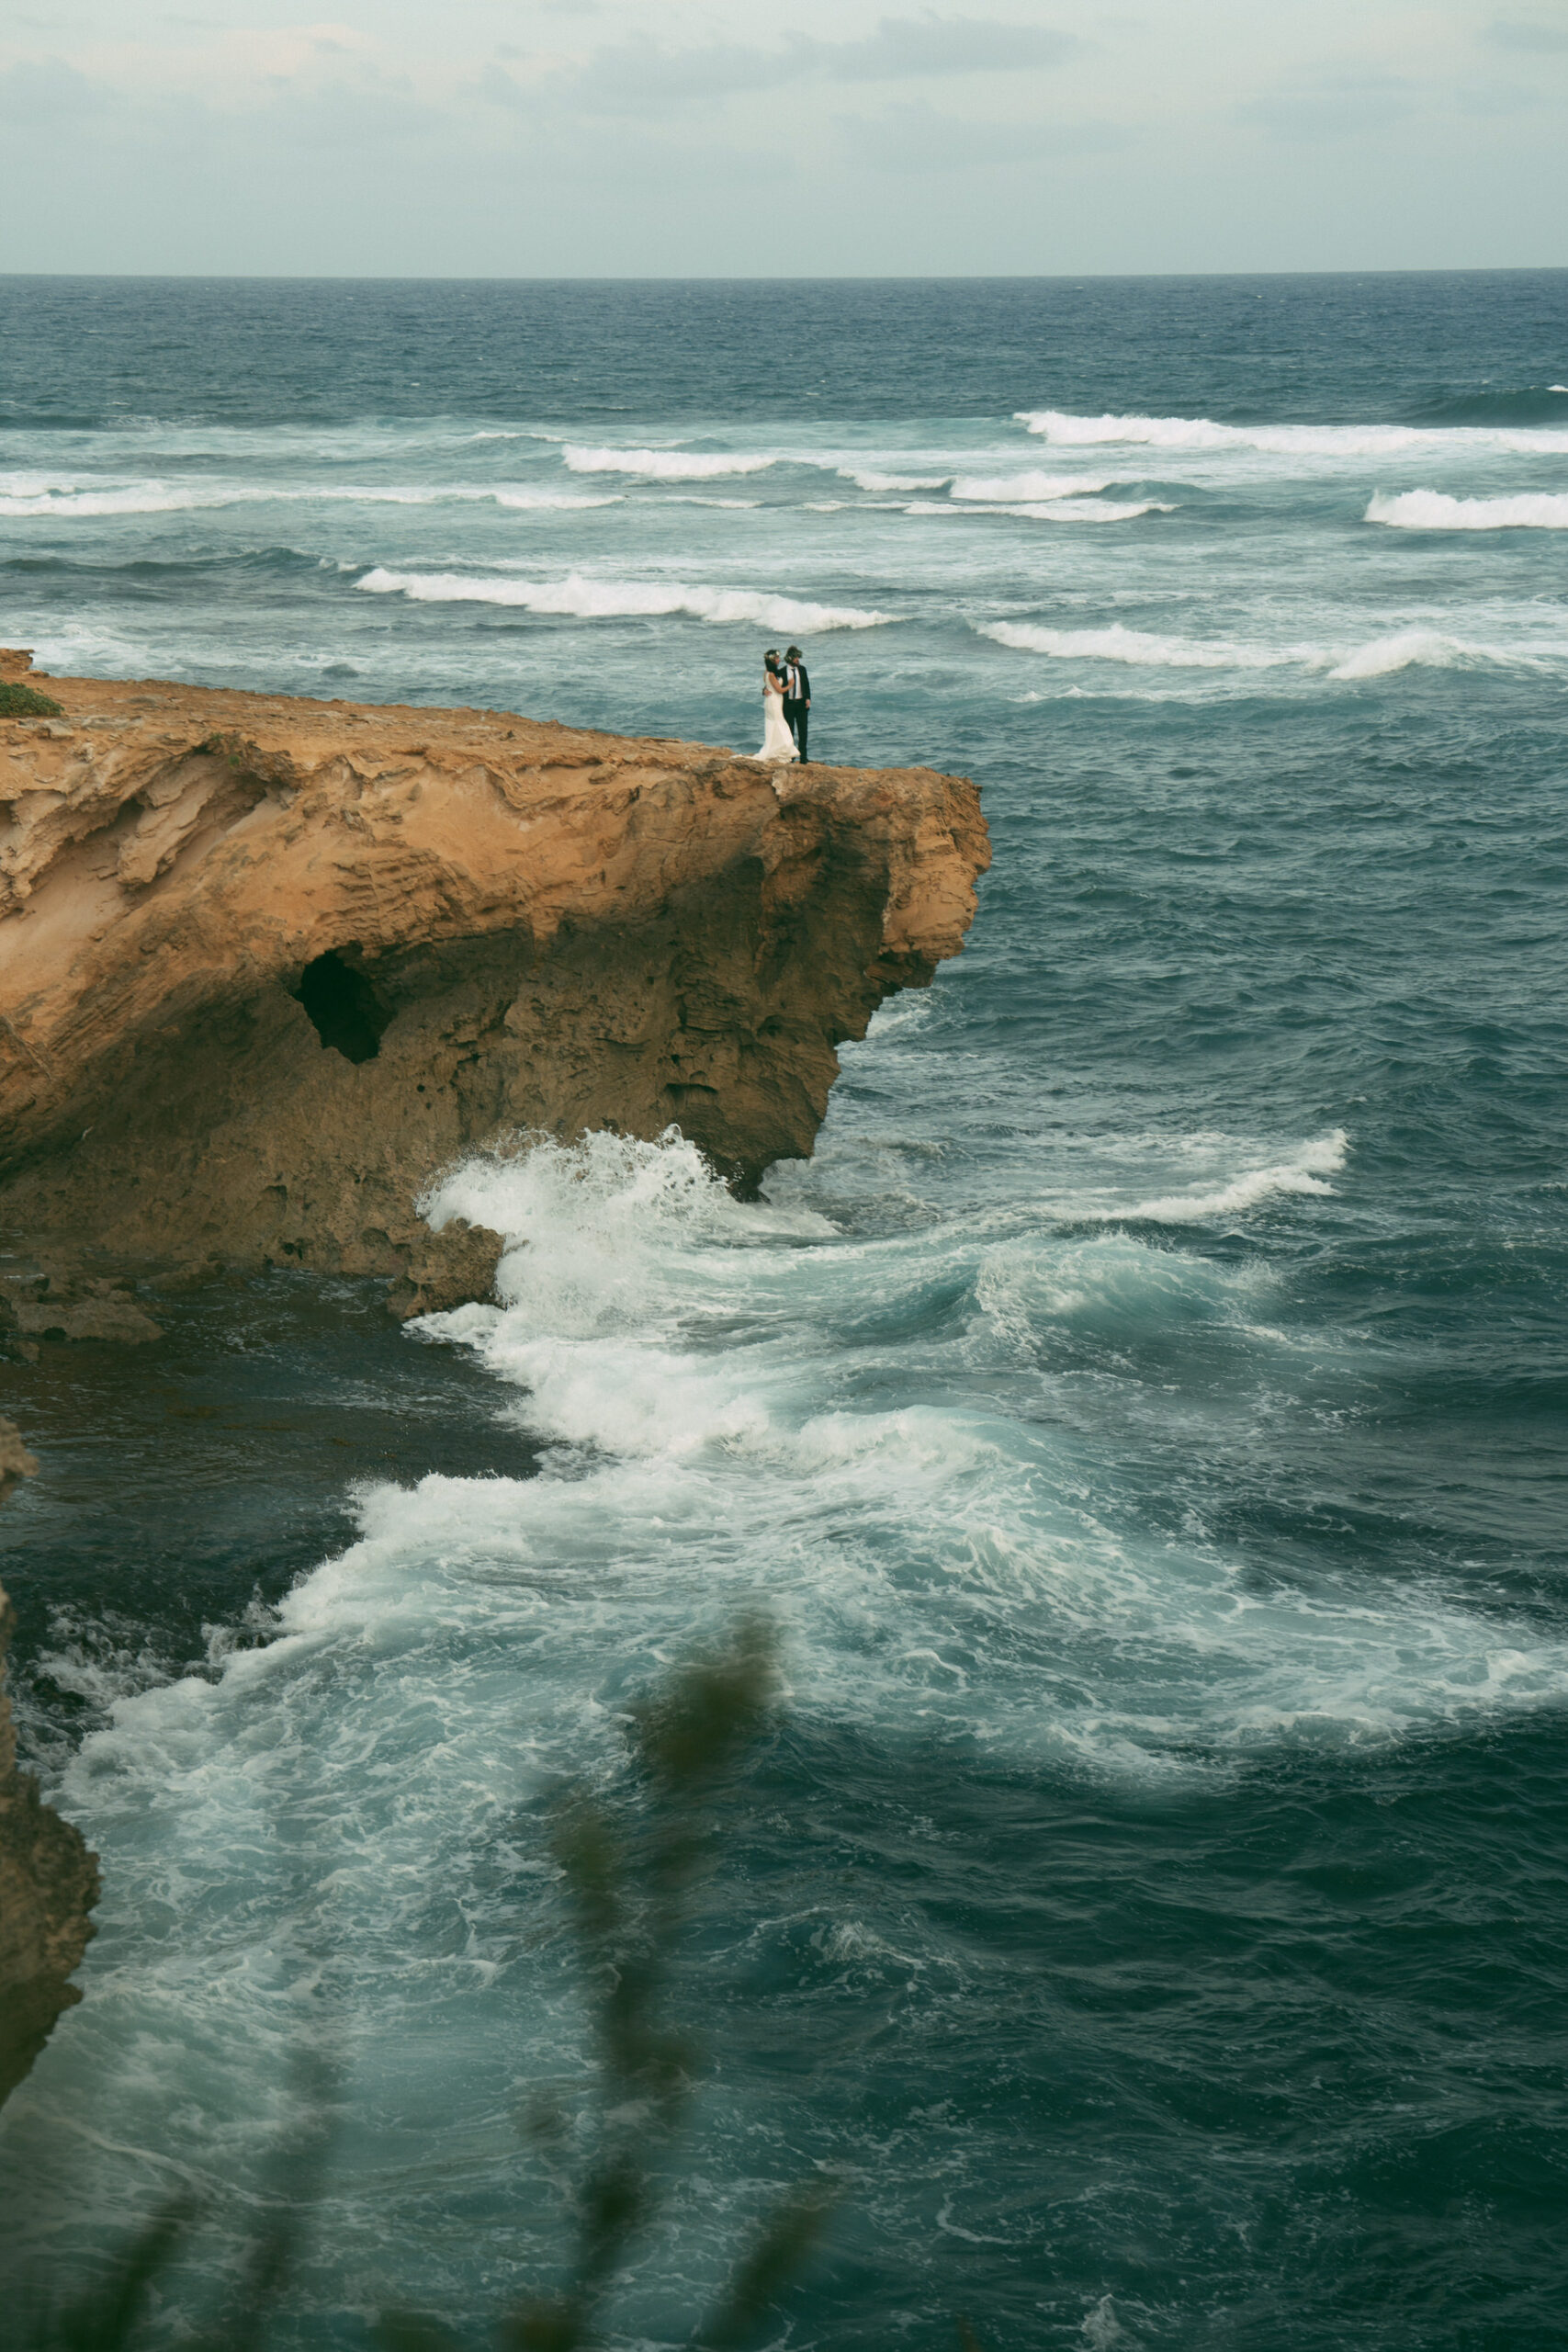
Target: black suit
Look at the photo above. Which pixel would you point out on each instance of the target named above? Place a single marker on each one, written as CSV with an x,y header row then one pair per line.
x,y
796,708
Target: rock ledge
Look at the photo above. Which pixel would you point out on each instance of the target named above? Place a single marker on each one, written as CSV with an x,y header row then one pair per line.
x,y
266,966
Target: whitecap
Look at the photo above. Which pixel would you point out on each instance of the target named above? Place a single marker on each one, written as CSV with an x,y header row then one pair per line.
x,y
137,498
1064,430
585,599
663,465
998,488
1304,1171
1074,510
1137,647
1428,649
552,501
63,500
1434,510
864,478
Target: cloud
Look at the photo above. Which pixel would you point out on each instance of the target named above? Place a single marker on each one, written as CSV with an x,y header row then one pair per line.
x,y
1487,101
273,115
1336,107
639,73
922,139
45,89
906,45
635,74
497,88
1536,40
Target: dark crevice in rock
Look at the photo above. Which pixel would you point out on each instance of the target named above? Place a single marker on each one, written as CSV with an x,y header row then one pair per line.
x,y
344,1009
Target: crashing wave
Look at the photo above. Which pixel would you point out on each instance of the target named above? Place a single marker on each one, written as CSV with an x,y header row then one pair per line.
x,y
583,599
1139,647
1434,510
661,465
1066,431
998,489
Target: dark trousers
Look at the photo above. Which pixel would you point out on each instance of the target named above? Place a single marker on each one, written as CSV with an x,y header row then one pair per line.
x,y
796,716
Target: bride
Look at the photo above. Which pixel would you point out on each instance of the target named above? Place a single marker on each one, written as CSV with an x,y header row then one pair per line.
x,y
778,743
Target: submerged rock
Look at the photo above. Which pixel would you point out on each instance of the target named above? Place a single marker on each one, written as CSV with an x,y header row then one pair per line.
x,y
54,1303
49,1882
446,1269
268,967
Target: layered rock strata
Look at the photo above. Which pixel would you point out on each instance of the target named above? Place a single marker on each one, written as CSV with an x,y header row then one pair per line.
x,y
267,966
49,1882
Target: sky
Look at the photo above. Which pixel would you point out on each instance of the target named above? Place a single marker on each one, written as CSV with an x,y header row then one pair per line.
x,y
693,138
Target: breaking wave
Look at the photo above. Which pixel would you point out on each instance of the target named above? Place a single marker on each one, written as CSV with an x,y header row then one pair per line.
x,y
1381,657
80,503
135,498
996,489
585,599
1138,647
1066,431
661,465
1074,510
1305,1171
1428,649
1434,510
874,481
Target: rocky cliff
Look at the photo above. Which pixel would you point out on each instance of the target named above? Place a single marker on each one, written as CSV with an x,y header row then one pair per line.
x,y
266,966
49,1882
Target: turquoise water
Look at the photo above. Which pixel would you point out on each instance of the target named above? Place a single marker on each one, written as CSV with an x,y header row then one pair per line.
x,y
1144,1417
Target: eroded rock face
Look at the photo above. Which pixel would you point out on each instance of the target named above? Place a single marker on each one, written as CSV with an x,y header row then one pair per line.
x,y
49,1882
266,966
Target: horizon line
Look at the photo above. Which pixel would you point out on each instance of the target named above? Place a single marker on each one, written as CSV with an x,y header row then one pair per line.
x,y
729,278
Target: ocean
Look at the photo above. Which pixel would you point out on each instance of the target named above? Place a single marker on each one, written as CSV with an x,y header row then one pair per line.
x,y
1143,1419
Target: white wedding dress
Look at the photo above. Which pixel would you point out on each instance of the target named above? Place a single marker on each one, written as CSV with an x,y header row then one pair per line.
x,y
778,743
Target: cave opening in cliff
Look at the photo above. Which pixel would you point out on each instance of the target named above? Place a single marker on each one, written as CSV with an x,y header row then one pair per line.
x,y
343,1005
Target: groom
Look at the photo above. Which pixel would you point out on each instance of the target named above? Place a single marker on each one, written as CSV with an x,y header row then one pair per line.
x,y
796,700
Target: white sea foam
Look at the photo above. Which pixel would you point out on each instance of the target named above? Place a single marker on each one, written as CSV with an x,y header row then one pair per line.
x,y
1074,510
1064,430
1428,649
135,498
549,501
683,1364
1139,648
64,502
1306,1170
1028,487
677,1351
663,465
1416,647
343,1818
586,599
864,478
1434,510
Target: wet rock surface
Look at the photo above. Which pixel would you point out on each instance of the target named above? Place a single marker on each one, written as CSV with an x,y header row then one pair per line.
x,y
49,1882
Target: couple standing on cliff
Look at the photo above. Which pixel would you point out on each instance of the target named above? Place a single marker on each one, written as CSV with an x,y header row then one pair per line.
x,y
786,698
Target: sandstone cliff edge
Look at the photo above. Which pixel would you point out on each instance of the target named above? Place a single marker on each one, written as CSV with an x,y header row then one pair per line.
x,y
266,966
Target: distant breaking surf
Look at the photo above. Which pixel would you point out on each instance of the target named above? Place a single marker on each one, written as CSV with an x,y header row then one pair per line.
x,y
1381,657
621,599
1434,510
661,465
1066,431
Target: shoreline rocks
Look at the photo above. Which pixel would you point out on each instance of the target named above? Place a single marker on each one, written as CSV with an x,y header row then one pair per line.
x,y
48,1881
